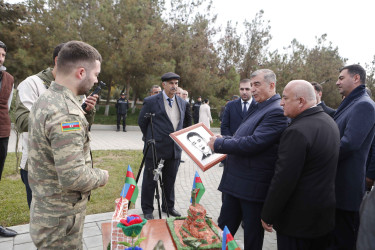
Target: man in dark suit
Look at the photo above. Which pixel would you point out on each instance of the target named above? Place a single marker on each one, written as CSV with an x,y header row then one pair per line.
x,y
168,116
196,108
252,153
236,110
188,118
319,92
300,203
355,118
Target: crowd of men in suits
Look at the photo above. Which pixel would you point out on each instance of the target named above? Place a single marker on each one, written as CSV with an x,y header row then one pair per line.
x,y
292,163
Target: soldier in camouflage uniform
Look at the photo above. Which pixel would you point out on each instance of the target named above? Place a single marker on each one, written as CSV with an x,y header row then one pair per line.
x,y
28,92
61,175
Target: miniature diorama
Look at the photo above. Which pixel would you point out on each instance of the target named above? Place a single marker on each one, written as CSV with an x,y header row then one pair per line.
x,y
197,230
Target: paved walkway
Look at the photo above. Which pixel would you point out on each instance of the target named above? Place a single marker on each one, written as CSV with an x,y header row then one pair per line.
x,y
105,138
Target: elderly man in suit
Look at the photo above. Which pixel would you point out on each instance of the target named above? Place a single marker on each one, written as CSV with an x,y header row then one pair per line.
x,y
236,110
355,118
319,92
252,153
168,112
300,203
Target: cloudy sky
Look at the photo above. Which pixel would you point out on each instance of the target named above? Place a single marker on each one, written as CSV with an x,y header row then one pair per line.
x,y
348,24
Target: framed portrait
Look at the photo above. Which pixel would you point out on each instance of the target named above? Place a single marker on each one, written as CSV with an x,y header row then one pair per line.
x,y
193,140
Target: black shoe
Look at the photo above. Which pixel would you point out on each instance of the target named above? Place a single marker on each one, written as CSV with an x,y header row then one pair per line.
x,y
118,130
7,232
148,216
124,130
173,212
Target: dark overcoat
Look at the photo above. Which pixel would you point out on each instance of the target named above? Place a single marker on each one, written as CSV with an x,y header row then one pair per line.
x,y
252,151
301,199
355,118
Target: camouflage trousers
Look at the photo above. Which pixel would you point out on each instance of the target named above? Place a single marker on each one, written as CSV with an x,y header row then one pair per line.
x,y
57,232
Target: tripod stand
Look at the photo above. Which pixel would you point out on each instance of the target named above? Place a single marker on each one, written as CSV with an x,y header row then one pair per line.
x,y
157,168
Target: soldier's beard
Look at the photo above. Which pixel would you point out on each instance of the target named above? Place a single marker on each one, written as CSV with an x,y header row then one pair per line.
x,y
84,87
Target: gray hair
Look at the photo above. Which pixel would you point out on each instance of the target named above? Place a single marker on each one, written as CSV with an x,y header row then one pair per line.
x,y
269,75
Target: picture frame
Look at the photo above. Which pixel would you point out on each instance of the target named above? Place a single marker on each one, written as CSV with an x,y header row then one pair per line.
x,y
193,141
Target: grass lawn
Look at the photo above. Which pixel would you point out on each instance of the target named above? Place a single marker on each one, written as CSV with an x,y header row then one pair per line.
x,y
13,204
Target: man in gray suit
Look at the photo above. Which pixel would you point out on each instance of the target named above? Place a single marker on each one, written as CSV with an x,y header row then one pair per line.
x,y
168,112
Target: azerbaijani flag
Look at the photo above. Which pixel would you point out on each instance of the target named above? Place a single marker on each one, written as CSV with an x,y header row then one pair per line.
x,y
69,126
198,185
130,189
228,242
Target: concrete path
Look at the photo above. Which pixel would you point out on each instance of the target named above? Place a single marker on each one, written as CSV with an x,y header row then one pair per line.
x,y
105,138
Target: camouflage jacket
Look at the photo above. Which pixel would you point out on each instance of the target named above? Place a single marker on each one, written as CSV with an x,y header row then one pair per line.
x,y
28,91
60,169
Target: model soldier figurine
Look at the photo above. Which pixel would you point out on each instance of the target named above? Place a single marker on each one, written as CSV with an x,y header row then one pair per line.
x,y
194,196
122,106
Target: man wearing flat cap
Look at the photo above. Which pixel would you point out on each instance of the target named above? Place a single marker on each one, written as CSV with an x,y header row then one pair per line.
x,y
122,106
168,111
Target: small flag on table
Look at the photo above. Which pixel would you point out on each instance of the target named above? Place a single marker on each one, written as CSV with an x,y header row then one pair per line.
x,y
130,189
228,242
199,186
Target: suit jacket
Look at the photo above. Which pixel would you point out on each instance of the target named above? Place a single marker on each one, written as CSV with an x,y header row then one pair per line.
x,y
355,118
328,110
188,118
301,198
165,146
252,151
232,117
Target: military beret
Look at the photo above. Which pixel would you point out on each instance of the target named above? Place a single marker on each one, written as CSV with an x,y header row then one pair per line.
x,y
169,76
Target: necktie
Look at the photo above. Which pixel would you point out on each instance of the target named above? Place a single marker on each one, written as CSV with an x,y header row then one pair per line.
x,y
170,102
244,110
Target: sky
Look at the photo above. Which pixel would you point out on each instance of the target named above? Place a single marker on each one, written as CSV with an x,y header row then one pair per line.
x,y
349,25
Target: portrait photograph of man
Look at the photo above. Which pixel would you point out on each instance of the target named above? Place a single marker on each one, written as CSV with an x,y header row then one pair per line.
x,y
193,141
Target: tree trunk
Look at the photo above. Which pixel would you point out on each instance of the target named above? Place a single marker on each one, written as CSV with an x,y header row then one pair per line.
x,y
106,112
128,88
134,101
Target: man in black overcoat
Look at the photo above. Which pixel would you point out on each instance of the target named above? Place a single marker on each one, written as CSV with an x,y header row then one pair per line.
x,y
300,203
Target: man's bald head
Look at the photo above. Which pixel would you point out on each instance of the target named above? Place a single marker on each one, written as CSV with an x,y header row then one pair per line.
x,y
179,91
298,95
304,89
